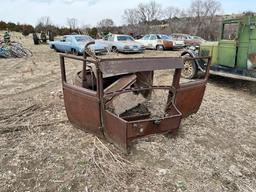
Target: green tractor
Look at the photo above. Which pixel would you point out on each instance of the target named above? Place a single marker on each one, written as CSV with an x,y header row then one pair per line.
x,y
234,55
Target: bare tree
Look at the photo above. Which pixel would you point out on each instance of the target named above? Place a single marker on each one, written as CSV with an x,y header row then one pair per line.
x,y
171,12
44,24
131,16
203,13
144,13
213,23
72,23
149,11
106,23
140,18
44,21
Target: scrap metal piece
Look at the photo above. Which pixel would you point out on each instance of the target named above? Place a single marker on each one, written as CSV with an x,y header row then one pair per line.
x,y
89,106
121,83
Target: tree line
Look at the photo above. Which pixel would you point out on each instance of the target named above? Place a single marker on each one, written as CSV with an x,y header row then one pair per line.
x,y
16,27
44,25
202,18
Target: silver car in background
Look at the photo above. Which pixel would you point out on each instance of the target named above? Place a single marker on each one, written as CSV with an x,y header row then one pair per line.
x,y
122,43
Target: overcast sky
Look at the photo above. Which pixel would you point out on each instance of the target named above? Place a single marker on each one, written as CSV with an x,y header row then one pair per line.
x,y
92,11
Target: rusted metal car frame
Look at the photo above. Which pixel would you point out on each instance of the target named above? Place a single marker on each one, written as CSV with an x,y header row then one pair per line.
x,y
86,99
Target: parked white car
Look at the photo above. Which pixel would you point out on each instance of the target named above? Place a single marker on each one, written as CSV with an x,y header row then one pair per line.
x,y
160,42
177,44
122,43
154,41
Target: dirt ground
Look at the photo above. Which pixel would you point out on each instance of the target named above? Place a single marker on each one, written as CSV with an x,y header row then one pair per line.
x,y
214,150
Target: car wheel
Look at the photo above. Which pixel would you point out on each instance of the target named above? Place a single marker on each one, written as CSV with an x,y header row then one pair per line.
x,y
35,39
74,51
54,48
190,69
114,49
159,47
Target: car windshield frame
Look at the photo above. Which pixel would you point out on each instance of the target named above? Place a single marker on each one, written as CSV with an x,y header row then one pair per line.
x,y
145,37
83,38
164,37
197,37
124,38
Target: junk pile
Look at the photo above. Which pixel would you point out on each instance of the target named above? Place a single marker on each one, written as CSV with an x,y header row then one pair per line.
x,y
10,48
43,37
13,49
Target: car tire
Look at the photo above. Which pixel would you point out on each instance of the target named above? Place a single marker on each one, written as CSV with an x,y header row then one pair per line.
x,y
159,47
35,39
190,69
114,49
54,48
74,52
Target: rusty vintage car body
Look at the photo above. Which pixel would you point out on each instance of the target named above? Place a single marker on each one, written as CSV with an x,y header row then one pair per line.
x,y
87,100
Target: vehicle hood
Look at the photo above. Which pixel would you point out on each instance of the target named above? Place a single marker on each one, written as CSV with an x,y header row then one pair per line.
x,y
130,43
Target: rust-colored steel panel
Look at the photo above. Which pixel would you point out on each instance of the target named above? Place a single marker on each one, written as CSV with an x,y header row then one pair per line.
x,y
121,83
122,132
189,97
82,108
145,79
115,130
168,44
140,64
142,128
